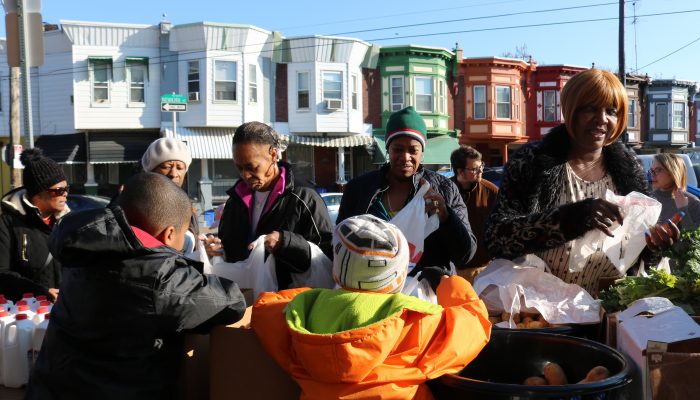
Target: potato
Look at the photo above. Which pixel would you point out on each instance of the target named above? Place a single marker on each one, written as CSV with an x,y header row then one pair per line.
x,y
531,315
534,325
516,318
520,325
541,318
535,381
526,320
596,374
505,316
554,374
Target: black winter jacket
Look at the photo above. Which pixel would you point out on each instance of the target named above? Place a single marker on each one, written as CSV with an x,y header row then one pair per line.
x,y
453,241
298,213
116,329
24,249
526,218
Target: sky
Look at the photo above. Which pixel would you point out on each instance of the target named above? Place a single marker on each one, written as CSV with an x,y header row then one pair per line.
x,y
663,40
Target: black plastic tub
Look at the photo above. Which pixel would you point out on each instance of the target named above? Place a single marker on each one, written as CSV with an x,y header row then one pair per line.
x,y
511,356
586,331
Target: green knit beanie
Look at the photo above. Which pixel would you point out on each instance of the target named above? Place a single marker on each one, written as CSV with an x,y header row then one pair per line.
x,y
406,122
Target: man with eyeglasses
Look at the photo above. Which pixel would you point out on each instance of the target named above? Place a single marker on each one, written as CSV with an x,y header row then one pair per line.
x,y
29,214
479,195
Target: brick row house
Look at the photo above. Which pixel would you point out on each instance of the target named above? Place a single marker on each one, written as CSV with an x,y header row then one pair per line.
x,y
96,101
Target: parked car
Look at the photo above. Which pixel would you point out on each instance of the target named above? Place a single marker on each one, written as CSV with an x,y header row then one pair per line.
x,y
332,201
79,202
647,159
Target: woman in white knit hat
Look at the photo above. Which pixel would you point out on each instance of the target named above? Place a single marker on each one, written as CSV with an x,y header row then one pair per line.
x,y
171,157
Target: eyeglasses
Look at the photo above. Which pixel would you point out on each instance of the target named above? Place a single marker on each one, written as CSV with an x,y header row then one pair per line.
x,y
59,191
476,170
655,171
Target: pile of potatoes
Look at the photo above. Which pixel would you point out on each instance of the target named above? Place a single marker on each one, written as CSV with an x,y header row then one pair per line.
x,y
553,374
523,320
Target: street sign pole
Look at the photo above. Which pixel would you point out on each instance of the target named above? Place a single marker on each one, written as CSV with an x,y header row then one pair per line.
x,y
174,124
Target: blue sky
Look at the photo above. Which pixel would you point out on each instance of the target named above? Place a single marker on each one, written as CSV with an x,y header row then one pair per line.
x,y
383,22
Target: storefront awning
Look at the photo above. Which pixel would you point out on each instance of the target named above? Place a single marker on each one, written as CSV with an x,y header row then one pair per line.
x,y
68,149
437,150
205,143
343,141
119,147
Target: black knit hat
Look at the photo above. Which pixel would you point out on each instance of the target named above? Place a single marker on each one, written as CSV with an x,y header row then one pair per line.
x,y
40,172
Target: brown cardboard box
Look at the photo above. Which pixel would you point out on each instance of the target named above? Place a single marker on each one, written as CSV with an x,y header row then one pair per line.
x,y
194,370
240,368
673,369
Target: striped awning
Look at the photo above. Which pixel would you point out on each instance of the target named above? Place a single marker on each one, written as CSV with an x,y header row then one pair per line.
x,y
205,143
342,141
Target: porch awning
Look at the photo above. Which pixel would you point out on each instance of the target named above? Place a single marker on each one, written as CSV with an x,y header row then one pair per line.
x,y
335,141
68,149
119,147
206,143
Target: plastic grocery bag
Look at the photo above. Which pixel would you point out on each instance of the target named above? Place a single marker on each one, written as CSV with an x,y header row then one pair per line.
x,y
415,224
419,288
524,285
623,249
258,273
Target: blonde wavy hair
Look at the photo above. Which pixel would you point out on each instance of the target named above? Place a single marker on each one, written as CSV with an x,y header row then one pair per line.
x,y
597,88
676,168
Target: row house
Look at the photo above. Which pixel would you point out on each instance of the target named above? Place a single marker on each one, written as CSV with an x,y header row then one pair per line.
x,y
669,105
494,98
321,107
422,77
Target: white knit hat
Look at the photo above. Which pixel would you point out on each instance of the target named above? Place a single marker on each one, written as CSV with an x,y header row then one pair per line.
x,y
165,149
369,254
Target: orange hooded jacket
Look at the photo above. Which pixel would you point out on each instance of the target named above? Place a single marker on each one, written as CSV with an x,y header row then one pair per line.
x,y
372,345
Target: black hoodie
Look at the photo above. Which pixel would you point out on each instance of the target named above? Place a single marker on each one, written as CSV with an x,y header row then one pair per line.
x,y
125,298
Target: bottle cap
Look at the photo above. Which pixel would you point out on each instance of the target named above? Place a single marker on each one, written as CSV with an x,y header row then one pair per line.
x,y
20,317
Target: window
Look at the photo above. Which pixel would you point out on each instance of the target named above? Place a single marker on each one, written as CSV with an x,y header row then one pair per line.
x,y
397,93
354,92
678,115
332,85
137,82
441,97
252,83
631,114
550,105
479,102
424,94
193,80
503,102
225,80
302,90
661,116
100,77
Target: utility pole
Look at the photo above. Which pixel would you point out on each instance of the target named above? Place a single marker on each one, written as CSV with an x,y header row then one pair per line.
x,y
621,55
23,13
16,142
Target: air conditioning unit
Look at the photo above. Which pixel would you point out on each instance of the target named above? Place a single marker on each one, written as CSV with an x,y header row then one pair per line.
x,y
334,104
193,96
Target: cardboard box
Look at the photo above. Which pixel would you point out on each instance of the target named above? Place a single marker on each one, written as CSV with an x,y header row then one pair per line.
x,y
673,369
240,368
655,319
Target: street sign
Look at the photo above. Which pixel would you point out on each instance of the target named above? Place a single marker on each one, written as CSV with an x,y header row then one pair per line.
x,y
165,107
173,103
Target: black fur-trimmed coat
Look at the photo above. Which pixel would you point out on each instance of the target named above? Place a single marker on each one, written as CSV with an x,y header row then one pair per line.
x,y
526,217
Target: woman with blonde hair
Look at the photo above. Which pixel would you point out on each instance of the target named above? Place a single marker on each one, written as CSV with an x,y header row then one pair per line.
x,y
553,190
669,178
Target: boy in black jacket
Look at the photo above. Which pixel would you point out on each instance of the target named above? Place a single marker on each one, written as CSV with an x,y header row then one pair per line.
x,y
126,296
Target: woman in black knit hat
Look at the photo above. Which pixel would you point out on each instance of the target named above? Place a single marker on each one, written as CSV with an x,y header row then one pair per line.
x,y
29,214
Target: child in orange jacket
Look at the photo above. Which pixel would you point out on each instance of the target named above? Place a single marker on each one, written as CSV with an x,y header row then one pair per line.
x,y
367,340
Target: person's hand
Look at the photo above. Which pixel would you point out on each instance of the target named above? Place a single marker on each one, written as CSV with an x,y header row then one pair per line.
x,y
435,204
271,243
603,215
212,245
662,236
53,292
680,198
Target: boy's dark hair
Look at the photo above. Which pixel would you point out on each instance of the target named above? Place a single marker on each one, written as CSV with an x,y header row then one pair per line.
x,y
152,202
459,157
257,133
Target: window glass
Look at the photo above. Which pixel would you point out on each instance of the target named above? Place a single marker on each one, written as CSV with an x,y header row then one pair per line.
x,y
225,80
479,102
424,94
503,102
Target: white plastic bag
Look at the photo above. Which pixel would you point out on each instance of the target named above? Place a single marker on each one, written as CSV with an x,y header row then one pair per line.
x,y
524,285
419,288
258,273
624,247
415,224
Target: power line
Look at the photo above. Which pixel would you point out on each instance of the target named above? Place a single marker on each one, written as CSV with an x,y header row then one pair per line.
x,y
673,52
176,56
